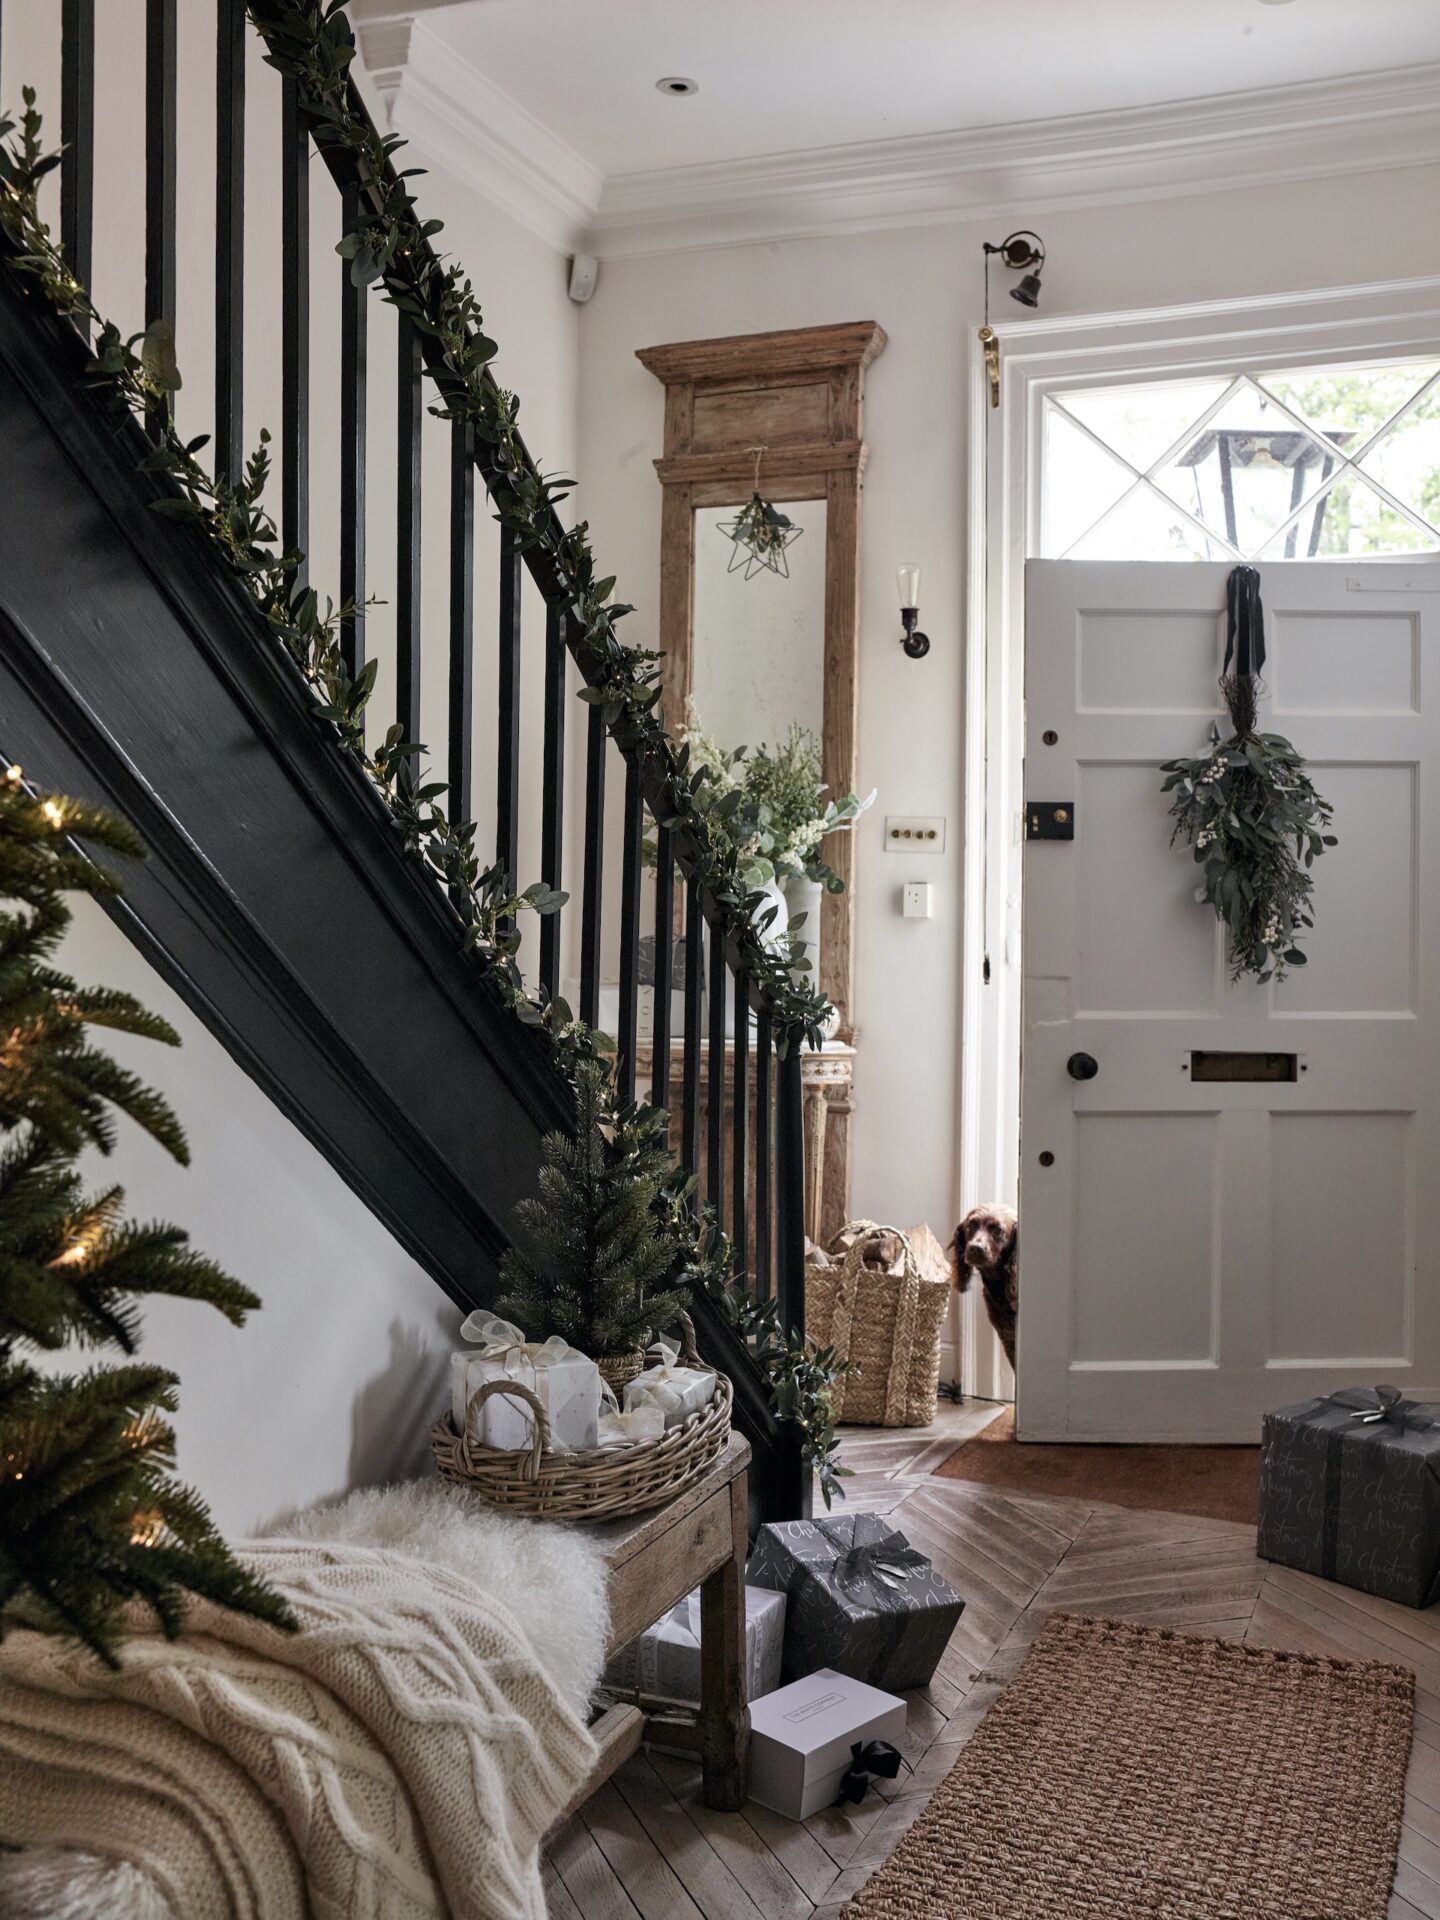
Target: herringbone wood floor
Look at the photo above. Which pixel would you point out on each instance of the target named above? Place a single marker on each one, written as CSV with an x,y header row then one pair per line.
x,y
644,1844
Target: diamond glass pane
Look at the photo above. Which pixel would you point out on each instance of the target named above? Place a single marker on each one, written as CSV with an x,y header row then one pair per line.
x,y
1406,461
1350,519
1141,423
1351,401
1081,482
1247,469
1145,527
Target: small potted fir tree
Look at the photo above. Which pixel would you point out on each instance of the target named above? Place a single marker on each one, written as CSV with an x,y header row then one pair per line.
x,y
591,1252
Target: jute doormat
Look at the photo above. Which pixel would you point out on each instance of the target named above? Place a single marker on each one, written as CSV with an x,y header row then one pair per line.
x,y
1132,1770
1223,1483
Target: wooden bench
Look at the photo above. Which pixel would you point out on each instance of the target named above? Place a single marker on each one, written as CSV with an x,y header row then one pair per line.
x,y
655,1559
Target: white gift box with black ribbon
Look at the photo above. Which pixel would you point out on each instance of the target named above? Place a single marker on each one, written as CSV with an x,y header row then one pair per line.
x,y
822,1739
565,1381
665,1660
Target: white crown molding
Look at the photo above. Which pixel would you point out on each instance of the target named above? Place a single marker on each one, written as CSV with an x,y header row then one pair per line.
x,y
1362,123
443,104
450,112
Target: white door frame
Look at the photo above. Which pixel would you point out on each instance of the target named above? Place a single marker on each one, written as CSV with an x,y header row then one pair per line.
x,y
1377,321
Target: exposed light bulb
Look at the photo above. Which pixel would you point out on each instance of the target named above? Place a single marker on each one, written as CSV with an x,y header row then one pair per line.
x,y
52,813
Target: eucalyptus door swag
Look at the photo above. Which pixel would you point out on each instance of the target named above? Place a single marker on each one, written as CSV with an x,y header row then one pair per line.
x,y
1250,810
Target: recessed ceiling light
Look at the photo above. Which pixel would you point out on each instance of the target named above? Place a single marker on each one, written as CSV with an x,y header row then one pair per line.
x,y
1274,3
676,85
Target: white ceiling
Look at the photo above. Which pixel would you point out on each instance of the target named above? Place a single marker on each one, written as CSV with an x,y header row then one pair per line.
x,y
780,76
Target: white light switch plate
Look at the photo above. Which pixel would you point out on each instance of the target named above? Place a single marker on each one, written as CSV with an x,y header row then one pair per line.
x,y
915,833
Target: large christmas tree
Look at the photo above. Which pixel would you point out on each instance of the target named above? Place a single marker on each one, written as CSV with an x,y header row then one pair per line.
x,y
593,1249
90,1515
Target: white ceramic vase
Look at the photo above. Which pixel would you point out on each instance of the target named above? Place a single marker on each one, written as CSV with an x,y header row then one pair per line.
x,y
805,896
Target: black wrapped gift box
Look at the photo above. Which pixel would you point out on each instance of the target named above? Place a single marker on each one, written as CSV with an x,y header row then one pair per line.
x,y
860,1599
1350,1489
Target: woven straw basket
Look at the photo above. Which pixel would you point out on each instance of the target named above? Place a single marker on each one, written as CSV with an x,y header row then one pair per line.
x,y
887,1324
601,1483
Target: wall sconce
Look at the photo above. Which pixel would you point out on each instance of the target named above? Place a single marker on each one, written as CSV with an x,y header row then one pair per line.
x,y
907,578
1024,253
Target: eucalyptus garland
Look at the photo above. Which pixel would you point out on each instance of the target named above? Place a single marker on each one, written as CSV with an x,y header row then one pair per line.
x,y
313,45
1257,825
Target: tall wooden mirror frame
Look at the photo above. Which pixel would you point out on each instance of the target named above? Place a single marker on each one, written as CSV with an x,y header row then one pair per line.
x,y
799,394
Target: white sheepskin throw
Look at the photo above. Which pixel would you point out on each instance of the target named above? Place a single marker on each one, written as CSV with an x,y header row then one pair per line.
x,y
399,1759
51,1884
549,1576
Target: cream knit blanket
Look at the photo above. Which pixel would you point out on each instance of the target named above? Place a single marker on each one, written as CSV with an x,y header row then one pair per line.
x,y
400,1758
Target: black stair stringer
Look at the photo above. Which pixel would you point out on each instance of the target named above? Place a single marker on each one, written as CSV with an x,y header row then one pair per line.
x,y
278,899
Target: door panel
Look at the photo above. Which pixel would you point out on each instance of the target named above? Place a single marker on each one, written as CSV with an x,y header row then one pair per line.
x,y
1136,950
1197,1253
1167,1166
1340,1235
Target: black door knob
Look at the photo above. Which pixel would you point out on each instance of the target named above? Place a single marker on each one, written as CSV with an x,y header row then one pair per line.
x,y
1082,1066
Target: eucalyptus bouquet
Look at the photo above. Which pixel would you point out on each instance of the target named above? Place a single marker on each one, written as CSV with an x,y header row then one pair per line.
x,y
1257,825
770,804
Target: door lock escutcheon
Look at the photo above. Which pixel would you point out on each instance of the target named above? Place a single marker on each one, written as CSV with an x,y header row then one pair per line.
x,y
1049,819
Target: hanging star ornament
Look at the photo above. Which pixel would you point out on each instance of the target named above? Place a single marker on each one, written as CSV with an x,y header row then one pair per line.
x,y
761,534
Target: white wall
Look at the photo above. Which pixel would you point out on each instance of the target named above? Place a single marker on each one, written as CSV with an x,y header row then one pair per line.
x,y
335,1383
924,284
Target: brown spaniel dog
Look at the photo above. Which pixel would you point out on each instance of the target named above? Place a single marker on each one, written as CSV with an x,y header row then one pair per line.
x,y
987,1242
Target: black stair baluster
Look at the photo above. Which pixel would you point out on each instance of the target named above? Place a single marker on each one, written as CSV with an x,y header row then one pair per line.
x,y
740,1125
715,1080
229,238
764,1225
460,799
294,326
507,743
160,80
77,135
592,905
630,932
690,1079
664,949
353,343
790,1192
409,420
552,806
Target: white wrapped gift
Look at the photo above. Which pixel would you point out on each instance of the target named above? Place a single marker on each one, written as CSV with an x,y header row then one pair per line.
x,y
565,1381
665,1660
677,1391
804,1737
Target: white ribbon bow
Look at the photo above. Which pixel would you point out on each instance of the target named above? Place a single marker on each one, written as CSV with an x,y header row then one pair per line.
x,y
502,1340
628,1429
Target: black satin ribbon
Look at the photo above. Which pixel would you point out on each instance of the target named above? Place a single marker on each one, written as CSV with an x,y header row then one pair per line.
x,y
869,1760
1245,625
1372,1405
878,1571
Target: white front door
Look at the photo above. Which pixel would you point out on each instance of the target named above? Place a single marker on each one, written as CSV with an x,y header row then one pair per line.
x,y
1197,1251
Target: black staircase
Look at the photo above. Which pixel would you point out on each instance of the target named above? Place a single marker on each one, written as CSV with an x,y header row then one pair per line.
x,y
279,899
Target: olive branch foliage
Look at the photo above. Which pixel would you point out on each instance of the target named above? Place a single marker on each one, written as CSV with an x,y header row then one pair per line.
x,y
311,43
1257,825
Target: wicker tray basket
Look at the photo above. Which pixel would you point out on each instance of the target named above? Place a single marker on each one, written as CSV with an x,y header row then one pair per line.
x,y
888,1324
601,1483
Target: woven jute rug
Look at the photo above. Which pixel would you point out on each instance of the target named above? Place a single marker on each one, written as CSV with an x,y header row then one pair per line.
x,y
1132,1770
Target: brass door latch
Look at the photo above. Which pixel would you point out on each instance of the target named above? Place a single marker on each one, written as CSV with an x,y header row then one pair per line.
x,y
1049,819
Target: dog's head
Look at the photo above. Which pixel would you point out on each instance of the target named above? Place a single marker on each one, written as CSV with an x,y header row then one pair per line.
x,y
984,1241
